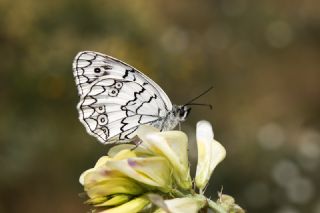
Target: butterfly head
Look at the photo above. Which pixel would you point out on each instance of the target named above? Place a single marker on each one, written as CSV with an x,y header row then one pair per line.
x,y
182,112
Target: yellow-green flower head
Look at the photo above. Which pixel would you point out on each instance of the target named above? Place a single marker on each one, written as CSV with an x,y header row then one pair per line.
x,y
123,180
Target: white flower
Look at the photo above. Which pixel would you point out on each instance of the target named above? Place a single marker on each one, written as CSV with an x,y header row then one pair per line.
x,y
210,154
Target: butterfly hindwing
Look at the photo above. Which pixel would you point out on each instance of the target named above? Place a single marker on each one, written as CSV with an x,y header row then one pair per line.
x,y
113,109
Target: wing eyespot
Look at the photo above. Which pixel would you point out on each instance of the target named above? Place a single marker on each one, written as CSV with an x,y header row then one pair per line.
x,y
97,70
102,133
113,92
100,109
105,130
100,72
102,119
118,85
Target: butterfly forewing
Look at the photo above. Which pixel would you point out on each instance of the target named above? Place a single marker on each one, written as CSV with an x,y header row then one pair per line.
x,y
115,98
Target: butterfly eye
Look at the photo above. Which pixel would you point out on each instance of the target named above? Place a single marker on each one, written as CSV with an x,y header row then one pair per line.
x,y
97,70
118,85
100,109
181,113
113,92
102,120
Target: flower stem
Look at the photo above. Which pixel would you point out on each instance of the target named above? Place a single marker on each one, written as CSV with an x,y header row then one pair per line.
x,y
214,206
177,193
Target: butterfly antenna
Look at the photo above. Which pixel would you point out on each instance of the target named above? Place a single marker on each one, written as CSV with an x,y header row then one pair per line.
x,y
190,102
199,104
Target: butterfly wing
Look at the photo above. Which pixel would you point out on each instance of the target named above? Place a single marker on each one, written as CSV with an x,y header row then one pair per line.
x,y
115,97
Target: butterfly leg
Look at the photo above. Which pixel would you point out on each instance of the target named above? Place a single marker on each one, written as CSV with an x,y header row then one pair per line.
x,y
163,123
162,126
136,141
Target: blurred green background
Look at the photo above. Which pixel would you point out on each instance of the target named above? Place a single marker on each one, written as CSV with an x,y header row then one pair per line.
x,y
262,57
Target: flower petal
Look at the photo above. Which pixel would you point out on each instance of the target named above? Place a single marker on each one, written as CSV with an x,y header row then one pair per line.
x,y
210,153
145,130
101,171
158,201
173,145
116,149
133,206
115,200
138,150
113,186
99,163
124,154
93,176
153,171
186,204
96,200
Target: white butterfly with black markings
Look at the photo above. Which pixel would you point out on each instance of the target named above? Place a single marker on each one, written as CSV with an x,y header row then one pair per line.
x,y
116,98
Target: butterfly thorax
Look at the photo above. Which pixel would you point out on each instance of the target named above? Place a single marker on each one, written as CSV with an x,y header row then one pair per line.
x,y
177,115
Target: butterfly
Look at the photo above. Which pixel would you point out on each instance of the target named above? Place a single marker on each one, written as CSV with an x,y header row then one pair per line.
x,y
116,98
